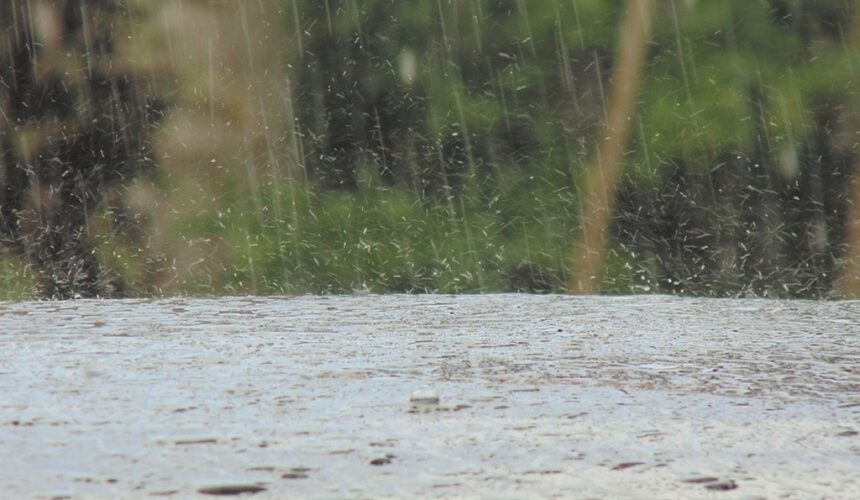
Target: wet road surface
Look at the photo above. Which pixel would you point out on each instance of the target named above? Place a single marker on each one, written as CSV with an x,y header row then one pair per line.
x,y
506,396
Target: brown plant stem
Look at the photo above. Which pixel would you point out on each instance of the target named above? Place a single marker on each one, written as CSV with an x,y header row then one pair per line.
x,y
601,181
849,279
849,283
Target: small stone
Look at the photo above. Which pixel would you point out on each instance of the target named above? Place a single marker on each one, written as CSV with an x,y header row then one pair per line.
x,y
382,460
727,485
425,397
627,465
230,489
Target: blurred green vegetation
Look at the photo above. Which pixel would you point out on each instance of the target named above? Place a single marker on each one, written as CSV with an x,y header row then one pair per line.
x,y
439,147
16,281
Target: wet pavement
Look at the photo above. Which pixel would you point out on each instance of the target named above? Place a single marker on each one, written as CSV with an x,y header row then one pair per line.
x,y
504,396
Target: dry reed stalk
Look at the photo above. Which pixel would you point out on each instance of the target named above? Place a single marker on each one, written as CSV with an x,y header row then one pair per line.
x,y
601,181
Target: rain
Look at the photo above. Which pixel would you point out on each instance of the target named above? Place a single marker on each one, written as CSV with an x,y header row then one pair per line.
x,y
201,148
690,159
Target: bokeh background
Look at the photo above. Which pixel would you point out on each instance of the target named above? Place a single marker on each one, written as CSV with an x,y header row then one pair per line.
x,y
154,147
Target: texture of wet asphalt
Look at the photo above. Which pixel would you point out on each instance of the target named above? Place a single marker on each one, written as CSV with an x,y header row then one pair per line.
x,y
430,396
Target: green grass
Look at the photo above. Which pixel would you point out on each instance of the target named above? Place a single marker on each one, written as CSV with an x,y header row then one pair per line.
x,y
16,280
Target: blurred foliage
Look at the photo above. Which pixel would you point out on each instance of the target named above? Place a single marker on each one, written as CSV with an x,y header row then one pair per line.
x,y
405,146
16,281
76,117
